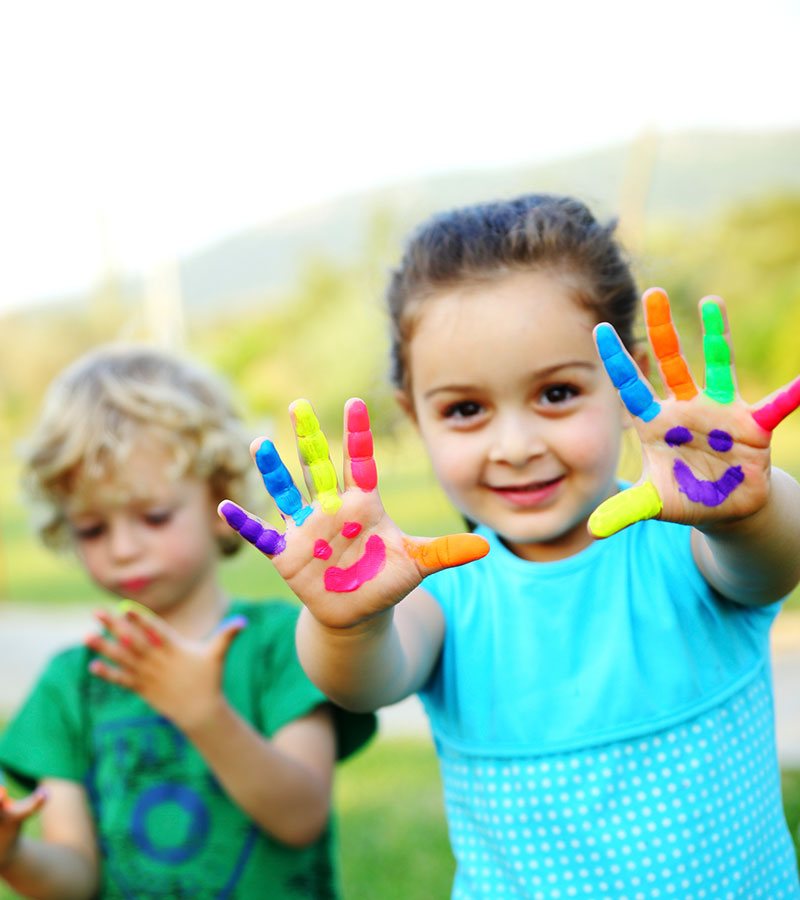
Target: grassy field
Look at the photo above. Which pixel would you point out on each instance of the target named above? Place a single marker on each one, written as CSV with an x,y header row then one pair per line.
x,y
393,838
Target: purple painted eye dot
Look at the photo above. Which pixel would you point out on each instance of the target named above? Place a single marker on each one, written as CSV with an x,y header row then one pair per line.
x,y
720,440
677,436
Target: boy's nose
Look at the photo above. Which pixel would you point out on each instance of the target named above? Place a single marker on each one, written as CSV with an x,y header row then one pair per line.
x,y
516,440
123,541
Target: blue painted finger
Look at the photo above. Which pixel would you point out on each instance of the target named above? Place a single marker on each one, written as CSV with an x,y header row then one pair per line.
x,y
267,540
278,481
633,390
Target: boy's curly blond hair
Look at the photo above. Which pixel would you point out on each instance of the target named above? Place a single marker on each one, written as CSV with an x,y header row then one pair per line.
x,y
105,403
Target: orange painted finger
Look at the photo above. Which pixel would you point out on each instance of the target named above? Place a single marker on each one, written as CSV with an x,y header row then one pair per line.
x,y
666,346
446,552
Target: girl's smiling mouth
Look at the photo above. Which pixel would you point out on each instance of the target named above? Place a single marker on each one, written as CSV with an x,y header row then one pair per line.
x,y
531,494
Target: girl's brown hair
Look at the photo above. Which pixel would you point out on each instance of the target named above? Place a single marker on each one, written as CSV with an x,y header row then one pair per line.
x,y
486,241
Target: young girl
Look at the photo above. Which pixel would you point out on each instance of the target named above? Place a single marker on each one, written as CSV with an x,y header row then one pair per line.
x,y
602,709
182,752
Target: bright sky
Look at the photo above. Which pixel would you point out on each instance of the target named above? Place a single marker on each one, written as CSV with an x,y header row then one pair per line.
x,y
136,131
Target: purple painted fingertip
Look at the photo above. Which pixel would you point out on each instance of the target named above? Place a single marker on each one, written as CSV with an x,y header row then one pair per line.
x,y
233,515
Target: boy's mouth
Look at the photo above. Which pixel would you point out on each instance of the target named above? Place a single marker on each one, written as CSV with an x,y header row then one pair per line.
x,y
529,494
134,585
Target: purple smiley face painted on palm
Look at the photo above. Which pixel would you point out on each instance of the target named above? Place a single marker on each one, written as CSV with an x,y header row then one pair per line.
x,y
700,490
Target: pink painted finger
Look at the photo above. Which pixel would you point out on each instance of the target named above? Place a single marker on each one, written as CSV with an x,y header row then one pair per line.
x,y
359,446
772,412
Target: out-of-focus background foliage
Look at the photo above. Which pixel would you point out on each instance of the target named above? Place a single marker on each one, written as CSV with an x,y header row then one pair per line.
x,y
295,309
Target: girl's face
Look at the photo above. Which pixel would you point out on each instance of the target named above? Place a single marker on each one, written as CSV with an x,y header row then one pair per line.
x,y
512,402
150,537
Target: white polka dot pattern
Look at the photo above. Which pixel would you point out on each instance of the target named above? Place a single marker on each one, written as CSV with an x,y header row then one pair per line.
x,y
690,813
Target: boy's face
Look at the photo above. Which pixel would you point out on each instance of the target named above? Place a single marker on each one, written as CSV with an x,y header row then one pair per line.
x,y
148,536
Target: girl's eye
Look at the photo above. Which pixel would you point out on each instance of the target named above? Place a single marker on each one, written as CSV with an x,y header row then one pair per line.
x,y
89,532
558,393
158,517
464,409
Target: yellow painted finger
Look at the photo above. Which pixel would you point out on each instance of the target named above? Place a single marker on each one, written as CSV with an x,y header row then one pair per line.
x,y
314,452
632,505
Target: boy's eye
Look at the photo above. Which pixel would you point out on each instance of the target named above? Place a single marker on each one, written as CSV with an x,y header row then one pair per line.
x,y
558,393
464,409
89,532
158,517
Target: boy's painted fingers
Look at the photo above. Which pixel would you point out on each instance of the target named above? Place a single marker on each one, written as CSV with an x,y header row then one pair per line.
x,y
633,390
315,456
262,537
359,459
446,552
666,346
717,352
279,482
111,674
772,411
631,505
225,633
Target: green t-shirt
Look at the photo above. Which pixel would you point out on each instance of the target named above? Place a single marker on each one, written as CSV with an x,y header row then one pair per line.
x,y
165,827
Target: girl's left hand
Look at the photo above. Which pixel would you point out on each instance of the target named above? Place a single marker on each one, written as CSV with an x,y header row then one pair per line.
x,y
178,677
706,453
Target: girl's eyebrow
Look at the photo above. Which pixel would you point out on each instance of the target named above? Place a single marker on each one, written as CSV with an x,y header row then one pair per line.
x,y
537,375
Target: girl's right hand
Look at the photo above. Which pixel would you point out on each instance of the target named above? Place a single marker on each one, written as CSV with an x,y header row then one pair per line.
x,y
341,554
12,814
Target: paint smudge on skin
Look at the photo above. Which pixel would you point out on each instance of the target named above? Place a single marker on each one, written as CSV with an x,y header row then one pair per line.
x,y
267,540
364,569
709,493
720,440
677,436
322,549
351,529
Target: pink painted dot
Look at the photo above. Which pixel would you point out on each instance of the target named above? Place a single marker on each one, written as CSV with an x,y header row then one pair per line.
x,y
322,549
351,529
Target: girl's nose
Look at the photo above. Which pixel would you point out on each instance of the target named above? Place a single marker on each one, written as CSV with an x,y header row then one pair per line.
x,y
516,440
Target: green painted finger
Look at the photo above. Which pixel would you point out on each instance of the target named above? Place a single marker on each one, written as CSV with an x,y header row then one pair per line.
x,y
632,505
717,353
313,447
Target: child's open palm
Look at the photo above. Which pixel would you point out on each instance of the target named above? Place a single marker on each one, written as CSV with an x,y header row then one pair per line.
x,y
706,453
341,554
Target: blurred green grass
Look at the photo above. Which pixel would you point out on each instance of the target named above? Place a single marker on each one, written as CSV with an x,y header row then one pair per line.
x,y
392,833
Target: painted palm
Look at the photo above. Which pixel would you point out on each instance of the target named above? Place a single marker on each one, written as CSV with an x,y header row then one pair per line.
x,y
340,553
705,452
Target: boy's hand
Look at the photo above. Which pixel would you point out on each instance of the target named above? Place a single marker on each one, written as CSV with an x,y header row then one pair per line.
x,y
178,677
706,456
12,814
341,554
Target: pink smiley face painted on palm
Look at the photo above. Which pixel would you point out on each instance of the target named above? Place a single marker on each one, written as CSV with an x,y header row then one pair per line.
x,y
364,569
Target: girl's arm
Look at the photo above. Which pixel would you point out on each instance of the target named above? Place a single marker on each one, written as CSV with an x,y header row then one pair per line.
x,y
755,560
367,637
377,662
63,865
706,459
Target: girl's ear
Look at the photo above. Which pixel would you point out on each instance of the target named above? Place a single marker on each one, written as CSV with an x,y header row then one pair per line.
x,y
405,403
